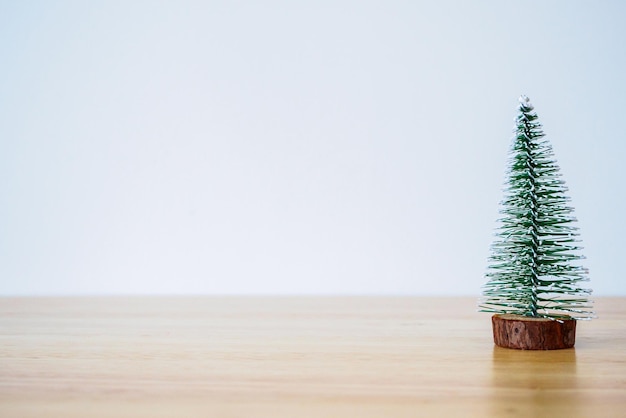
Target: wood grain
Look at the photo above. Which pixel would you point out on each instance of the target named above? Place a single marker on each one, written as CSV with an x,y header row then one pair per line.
x,y
295,357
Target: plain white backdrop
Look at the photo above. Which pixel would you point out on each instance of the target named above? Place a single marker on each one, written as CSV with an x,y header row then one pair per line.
x,y
294,147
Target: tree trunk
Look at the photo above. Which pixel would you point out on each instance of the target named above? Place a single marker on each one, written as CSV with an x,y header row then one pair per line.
x,y
526,333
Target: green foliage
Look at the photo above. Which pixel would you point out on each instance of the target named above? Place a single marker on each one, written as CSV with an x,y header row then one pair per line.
x,y
534,267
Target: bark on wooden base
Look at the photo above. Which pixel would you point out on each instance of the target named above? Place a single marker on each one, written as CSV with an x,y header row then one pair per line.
x,y
526,333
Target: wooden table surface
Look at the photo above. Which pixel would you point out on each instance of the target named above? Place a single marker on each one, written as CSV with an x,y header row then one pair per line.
x,y
296,357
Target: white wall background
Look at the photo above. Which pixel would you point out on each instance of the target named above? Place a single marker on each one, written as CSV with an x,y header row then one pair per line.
x,y
294,146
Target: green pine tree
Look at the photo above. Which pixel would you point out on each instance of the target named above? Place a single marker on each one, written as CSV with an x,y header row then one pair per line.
x,y
534,268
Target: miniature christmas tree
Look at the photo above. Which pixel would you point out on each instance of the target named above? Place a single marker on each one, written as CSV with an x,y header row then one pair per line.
x,y
534,267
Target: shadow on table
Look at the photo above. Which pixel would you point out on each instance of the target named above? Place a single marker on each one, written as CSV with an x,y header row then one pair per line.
x,y
534,383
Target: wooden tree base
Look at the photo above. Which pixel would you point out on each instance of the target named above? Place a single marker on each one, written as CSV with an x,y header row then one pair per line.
x,y
526,333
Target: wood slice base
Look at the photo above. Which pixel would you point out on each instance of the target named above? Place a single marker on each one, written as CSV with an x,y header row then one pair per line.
x,y
526,333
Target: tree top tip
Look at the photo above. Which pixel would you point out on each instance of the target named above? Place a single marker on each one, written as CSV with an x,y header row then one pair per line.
x,y
524,101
